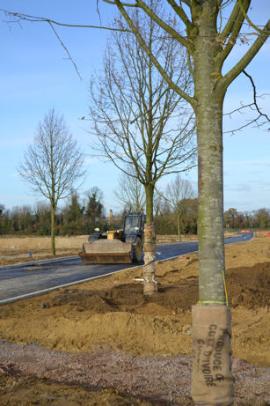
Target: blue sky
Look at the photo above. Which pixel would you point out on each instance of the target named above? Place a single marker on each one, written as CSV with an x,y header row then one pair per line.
x,y
35,76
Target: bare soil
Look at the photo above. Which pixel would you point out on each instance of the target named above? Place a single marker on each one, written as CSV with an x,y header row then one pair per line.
x,y
24,391
131,344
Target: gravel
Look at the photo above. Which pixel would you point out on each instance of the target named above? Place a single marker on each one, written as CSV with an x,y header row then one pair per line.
x,y
163,380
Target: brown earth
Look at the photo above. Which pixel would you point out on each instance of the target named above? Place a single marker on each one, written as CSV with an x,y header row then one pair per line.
x,y
111,314
25,391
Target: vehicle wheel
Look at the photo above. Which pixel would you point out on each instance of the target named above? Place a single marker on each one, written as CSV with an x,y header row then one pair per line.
x,y
137,251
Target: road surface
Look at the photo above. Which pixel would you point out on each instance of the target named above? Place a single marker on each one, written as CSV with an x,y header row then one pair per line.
x,y
29,279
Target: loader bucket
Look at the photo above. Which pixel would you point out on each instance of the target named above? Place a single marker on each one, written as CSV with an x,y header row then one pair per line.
x,y
106,252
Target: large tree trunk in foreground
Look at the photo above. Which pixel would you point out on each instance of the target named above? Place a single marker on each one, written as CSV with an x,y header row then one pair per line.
x,y
212,376
208,48
212,382
210,215
149,269
53,249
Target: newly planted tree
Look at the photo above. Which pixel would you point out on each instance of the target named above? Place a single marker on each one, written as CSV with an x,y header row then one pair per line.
x,y
209,30
53,164
140,122
209,40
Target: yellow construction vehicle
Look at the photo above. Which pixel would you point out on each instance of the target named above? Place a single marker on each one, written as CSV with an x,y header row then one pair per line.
x,y
117,246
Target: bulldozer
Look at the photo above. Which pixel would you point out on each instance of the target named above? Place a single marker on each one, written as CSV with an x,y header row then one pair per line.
x,y
116,246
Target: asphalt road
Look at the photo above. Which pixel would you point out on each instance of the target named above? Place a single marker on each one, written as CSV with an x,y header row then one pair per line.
x,y
29,279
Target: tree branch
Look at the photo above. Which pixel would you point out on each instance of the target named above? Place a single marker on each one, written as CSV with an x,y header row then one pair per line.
x,y
66,50
250,22
180,12
235,24
255,96
166,27
155,62
247,58
253,106
37,19
234,17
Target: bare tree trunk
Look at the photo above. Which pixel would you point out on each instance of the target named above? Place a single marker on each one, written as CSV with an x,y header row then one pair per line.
x,y
149,269
212,375
178,227
210,215
212,381
53,249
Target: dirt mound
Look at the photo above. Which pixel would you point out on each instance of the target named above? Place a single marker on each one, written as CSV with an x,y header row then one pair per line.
x,y
247,286
178,297
81,300
250,286
129,297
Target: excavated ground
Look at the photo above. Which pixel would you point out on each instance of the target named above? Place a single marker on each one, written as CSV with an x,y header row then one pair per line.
x,y
119,348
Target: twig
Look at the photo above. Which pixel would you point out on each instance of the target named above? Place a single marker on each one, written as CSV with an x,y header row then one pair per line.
x,y
66,51
253,106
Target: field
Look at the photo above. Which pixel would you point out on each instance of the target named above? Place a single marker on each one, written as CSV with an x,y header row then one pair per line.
x,y
103,343
15,249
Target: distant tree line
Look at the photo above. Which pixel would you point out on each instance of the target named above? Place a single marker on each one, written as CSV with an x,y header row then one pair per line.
x,y
180,220
78,216
83,215
234,220
237,220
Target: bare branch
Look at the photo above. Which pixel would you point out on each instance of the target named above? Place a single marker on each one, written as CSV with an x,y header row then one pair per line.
x,y
257,121
36,19
255,96
233,28
161,22
66,50
180,12
247,58
53,163
153,59
250,22
235,20
133,109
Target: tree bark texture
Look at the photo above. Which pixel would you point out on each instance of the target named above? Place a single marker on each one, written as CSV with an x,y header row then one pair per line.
x,y
210,159
210,216
209,388
149,269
